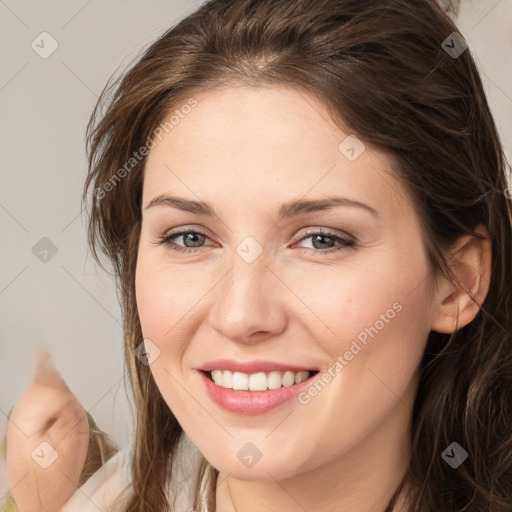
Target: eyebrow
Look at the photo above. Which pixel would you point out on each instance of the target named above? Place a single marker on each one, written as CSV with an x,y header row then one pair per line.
x,y
287,210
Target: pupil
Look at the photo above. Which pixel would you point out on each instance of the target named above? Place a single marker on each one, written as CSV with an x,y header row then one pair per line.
x,y
187,238
317,237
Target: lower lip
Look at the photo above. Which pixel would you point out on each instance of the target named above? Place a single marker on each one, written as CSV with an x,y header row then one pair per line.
x,y
252,402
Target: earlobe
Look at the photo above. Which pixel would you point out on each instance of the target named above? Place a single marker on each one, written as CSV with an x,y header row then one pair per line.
x,y
470,261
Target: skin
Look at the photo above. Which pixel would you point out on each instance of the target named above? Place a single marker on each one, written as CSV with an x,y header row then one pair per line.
x,y
47,418
246,151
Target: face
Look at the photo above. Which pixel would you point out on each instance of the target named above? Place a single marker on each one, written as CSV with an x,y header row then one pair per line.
x,y
342,291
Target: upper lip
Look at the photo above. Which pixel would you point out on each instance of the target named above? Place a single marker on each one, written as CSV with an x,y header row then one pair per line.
x,y
252,366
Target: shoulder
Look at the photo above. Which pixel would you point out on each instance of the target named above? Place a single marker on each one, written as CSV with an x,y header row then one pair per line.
x,y
109,488
106,487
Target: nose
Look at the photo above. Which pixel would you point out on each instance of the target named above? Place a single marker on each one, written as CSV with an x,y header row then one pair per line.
x,y
248,305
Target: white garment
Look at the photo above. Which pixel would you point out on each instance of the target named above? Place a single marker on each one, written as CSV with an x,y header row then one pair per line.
x,y
109,488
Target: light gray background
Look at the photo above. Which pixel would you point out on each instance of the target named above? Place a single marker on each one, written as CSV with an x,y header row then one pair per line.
x,y
67,303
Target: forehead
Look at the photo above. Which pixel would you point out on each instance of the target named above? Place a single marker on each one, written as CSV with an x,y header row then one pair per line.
x,y
265,145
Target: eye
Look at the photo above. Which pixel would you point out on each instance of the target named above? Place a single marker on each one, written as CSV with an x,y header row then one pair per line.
x,y
324,241
190,236
320,239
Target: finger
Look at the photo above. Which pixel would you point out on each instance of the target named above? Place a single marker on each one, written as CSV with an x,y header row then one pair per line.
x,y
45,373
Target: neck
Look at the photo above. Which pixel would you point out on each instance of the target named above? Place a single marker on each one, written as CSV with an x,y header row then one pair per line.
x,y
363,478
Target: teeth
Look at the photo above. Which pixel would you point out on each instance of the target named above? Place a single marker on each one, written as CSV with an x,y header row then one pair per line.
x,y
288,379
274,380
217,377
240,381
227,378
257,381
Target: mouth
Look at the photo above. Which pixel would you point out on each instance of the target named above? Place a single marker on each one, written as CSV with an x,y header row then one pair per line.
x,y
259,381
254,393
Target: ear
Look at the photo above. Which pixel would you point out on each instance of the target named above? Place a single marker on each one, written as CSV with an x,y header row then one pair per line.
x,y
470,261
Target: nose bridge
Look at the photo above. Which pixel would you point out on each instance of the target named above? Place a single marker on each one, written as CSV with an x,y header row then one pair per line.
x,y
245,304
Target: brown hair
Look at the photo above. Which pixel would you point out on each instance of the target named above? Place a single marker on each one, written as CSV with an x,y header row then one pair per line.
x,y
380,68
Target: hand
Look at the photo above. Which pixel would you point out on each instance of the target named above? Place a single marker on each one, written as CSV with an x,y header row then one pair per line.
x,y
47,441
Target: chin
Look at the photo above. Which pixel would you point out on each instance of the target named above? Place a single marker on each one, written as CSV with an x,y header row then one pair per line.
x,y
265,469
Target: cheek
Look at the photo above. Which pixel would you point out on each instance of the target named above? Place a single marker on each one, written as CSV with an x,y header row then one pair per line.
x,y
374,323
160,304
164,296
374,327
362,302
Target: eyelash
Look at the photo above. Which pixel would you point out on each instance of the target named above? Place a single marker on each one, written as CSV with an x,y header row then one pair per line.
x,y
346,242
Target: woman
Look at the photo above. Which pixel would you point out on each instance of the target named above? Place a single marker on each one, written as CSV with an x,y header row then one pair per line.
x,y
306,207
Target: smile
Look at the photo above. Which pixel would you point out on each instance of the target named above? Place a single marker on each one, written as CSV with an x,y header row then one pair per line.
x,y
255,393
259,381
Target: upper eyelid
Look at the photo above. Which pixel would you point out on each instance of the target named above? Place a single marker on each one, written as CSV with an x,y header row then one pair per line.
x,y
181,232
